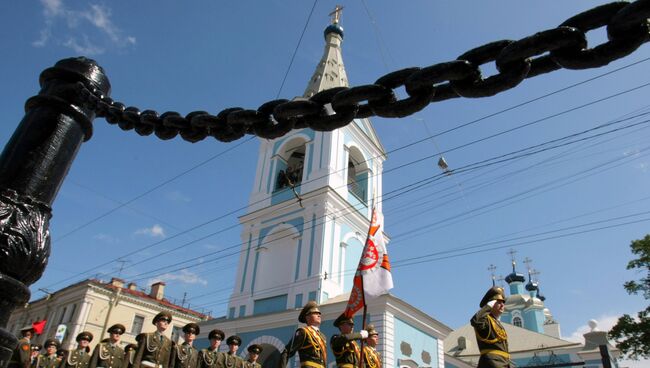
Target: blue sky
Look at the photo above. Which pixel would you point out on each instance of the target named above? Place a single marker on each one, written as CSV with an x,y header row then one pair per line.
x,y
573,209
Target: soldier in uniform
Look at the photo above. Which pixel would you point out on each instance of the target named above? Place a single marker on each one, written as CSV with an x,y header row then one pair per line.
x,y
80,357
185,355
154,348
371,357
21,358
308,341
129,354
491,337
232,359
50,359
345,349
253,353
36,352
109,354
211,357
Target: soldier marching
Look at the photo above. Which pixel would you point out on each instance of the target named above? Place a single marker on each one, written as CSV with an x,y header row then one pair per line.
x,y
345,348
185,355
154,348
109,354
50,359
309,342
212,357
80,357
371,357
21,357
232,359
253,354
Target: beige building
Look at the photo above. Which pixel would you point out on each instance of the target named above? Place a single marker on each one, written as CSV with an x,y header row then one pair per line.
x,y
92,305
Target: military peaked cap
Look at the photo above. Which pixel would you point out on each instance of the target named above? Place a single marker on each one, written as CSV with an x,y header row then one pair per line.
x,y
342,319
162,315
117,328
495,293
371,330
234,340
28,328
256,349
51,342
309,308
85,336
192,328
216,333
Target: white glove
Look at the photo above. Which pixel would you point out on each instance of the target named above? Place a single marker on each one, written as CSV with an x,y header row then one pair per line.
x,y
491,303
364,334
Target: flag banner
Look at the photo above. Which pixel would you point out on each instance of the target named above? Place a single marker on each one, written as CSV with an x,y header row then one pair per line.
x,y
38,326
373,277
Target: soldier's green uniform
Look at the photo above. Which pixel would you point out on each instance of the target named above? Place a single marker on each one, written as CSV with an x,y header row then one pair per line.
x,y
185,355
129,354
109,354
22,355
253,353
232,360
491,336
154,349
80,357
213,358
309,342
345,349
49,360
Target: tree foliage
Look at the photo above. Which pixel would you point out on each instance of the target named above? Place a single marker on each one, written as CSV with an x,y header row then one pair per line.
x,y
632,335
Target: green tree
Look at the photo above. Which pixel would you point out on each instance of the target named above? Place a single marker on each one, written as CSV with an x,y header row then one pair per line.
x,y
632,335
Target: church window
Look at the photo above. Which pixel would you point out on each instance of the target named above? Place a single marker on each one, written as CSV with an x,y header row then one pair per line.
x,y
517,322
291,164
357,179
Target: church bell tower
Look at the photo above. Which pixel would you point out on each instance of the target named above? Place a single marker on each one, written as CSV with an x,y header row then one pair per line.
x,y
310,206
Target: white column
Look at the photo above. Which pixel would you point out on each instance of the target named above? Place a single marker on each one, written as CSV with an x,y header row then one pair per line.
x,y
79,323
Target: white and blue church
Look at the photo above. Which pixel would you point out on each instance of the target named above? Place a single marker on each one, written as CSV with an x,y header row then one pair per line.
x,y
303,233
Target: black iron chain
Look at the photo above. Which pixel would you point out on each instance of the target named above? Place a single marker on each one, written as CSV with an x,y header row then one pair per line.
x,y
628,27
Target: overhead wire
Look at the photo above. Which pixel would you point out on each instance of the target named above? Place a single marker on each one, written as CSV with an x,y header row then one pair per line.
x,y
241,244
235,211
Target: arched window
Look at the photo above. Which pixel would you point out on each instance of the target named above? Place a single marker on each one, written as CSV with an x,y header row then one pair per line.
x,y
517,322
290,165
357,175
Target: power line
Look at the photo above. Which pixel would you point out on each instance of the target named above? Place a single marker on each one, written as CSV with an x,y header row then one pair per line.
x,y
399,192
385,172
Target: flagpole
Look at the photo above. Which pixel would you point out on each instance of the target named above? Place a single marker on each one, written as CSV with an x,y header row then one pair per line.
x,y
365,306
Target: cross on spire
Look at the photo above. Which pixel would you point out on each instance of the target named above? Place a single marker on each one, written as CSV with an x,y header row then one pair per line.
x,y
512,253
493,268
528,261
336,14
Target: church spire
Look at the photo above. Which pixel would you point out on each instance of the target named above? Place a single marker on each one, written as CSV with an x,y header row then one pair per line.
x,y
330,72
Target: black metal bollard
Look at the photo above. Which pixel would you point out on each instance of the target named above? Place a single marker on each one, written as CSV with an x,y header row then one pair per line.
x,y
32,167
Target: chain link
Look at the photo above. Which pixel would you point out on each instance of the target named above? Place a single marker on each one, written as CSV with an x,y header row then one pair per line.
x,y
566,47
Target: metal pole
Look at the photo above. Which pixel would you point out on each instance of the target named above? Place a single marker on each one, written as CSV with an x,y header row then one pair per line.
x,y
32,167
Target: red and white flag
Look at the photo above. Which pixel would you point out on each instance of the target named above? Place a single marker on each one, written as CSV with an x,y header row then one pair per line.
x,y
373,277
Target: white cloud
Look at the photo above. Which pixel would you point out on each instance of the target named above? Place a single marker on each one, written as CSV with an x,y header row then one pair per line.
x,y
156,231
92,25
643,166
184,276
605,323
87,48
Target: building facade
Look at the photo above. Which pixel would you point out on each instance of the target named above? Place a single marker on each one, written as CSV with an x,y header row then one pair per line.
x,y
92,305
303,234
